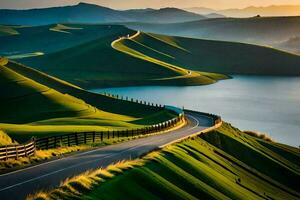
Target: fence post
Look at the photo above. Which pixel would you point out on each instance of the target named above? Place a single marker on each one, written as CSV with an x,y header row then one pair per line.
x,y
68,140
25,150
113,134
76,139
94,134
55,140
47,143
17,156
34,144
6,153
108,135
101,136
85,137
61,140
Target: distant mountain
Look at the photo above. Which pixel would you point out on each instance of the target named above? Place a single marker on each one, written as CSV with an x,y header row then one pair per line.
x,y
281,10
207,12
268,31
291,44
214,15
89,13
201,10
169,15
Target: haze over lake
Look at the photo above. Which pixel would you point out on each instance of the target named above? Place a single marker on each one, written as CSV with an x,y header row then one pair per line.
x,y
265,104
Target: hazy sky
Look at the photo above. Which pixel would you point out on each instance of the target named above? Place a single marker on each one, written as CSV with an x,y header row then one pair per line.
x,y
125,4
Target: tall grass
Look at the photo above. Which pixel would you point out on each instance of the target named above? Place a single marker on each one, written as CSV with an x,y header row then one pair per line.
x,y
256,134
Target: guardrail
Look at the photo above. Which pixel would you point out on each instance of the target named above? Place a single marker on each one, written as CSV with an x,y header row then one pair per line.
x,y
16,151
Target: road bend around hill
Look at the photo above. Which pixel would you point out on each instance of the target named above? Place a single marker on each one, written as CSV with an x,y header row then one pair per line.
x,y
18,184
116,44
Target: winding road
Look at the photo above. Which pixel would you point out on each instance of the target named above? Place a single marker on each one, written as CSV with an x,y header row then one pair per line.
x,y
18,184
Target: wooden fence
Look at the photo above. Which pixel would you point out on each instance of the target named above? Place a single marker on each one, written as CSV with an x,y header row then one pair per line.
x,y
16,151
126,98
79,138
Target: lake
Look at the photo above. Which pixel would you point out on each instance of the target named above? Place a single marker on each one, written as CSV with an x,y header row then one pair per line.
x,y
265,104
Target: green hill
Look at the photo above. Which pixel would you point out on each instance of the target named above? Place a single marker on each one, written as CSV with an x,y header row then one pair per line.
x,y
215,56
222,164
52,38
270,31
35,104
8,30
4,139
96,64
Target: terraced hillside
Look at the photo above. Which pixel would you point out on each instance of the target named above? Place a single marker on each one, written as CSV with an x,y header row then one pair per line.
x,y
97,64
213,56
36,104
222,164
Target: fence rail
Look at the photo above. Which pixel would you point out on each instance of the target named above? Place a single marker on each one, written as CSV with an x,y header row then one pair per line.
x,y
16,151
79,138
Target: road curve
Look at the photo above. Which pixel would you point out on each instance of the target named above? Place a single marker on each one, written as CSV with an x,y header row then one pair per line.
x,y
17,185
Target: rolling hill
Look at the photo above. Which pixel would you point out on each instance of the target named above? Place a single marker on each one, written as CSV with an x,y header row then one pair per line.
x,y
89,13
152,59
105,66
222,164
270,31
35,104
116,56
51,38
213,56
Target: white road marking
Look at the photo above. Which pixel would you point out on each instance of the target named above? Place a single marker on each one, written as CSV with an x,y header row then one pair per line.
x,y
80,164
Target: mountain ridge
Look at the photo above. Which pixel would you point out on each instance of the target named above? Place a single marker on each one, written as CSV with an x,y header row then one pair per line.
x,y
250,11
91,13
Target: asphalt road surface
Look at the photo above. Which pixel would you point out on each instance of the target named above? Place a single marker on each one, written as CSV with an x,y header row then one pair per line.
x,y
18,184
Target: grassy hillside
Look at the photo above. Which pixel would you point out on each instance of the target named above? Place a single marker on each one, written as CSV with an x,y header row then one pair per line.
x,y
5,139
8,30
270,31
105,66
51,38
215,56
222,164
35,104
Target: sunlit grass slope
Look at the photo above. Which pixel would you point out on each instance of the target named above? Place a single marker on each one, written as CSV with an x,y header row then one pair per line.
x,y
8,30
50,38
4,139
35,104
223,164
215,56
90,61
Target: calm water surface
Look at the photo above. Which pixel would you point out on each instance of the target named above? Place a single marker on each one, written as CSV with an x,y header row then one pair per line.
x,y
265,104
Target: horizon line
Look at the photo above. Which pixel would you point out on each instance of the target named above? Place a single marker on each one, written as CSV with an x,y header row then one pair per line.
x,y
155,8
